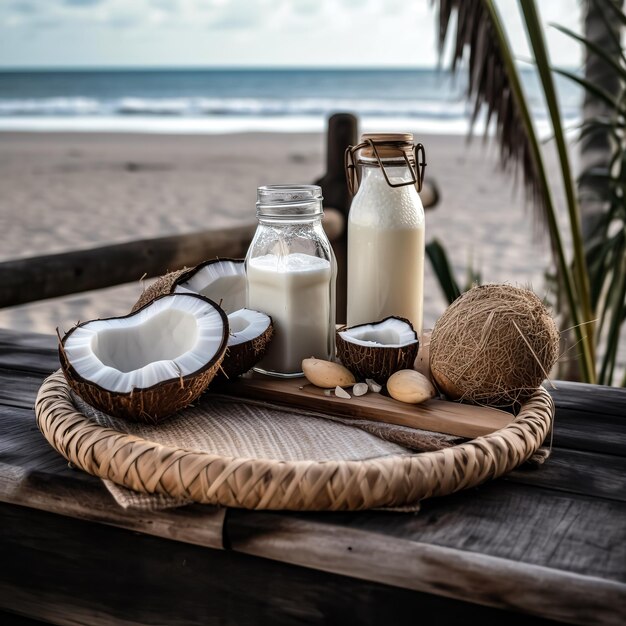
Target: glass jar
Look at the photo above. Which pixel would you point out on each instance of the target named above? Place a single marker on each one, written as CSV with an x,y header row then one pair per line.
x,y
291,272
385,229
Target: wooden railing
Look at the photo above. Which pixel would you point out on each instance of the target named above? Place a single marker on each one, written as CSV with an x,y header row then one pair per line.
x,y
53,275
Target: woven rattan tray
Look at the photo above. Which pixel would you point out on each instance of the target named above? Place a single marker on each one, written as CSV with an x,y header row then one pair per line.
x,y
281,479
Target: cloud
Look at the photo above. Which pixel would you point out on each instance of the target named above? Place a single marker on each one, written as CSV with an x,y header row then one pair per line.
x,y
82,3
124,20
167,6
306,7
25,7
234,16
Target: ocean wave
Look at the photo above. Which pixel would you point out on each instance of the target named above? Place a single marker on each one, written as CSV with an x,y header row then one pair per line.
x,y
228,124
255,107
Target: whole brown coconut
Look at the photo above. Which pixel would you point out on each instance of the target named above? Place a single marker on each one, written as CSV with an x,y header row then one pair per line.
x,y
494,345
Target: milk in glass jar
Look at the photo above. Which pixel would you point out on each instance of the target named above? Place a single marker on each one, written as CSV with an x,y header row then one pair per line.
x,y
385,229
291,273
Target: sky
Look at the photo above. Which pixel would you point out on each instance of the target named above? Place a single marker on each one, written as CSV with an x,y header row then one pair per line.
x,y
245,33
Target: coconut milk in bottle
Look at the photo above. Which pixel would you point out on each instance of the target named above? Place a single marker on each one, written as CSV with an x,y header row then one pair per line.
x,y
291,273
294,291
385,230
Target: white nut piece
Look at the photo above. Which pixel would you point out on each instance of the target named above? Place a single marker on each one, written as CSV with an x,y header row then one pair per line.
x,y
342,393
360,389
410,386
422,362
374,387
327,374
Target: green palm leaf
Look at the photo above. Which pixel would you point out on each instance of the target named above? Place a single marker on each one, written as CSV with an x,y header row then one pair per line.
x,y
495,87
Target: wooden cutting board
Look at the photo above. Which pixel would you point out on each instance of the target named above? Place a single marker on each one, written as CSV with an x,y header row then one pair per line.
x,y
462,420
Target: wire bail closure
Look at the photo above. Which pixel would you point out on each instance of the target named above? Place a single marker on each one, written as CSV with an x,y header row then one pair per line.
x,y
416,165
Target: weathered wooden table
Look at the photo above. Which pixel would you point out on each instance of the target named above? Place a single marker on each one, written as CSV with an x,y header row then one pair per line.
x,y
543,544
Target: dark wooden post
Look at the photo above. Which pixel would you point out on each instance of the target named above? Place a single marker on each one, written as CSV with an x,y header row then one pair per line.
x,y
342,132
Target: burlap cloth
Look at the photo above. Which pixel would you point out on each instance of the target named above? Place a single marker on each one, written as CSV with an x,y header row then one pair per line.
x,y
247,428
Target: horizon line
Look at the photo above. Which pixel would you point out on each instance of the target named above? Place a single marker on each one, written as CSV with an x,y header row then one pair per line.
x,y
227,68
224,68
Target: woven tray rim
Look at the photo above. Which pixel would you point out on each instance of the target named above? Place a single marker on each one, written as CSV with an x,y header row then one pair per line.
x,y
388,481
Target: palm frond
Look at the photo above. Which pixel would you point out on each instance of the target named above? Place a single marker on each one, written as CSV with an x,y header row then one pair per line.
x,y
598,92
594,48
495,87
491,88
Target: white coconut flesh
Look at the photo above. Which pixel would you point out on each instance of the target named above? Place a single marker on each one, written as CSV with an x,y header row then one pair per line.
x,y
172,337
245,325
223,282
390,333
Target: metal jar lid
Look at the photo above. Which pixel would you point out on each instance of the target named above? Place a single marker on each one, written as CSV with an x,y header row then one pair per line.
x,y
394,149
289,201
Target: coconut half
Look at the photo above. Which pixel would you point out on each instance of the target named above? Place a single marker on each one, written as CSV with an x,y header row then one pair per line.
x,y
220,280
250,334
379,349
151,363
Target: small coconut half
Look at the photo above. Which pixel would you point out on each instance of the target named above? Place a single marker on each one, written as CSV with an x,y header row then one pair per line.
x,y
379,349
151,363
220,280
250,334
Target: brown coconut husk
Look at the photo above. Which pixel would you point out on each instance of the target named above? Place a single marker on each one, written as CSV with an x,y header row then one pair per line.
x,y
160,287
244,356
375,362
494,346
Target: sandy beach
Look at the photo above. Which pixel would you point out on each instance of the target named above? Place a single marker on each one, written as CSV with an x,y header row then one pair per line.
x,y
65,191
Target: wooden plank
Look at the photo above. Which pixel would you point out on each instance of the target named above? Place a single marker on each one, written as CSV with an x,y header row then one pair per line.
x,y
97,575
435,415
53,275
25,351
517,523
590,399
33,474
464,573
83,499
19,388
586,473
24,451
599,432
25,339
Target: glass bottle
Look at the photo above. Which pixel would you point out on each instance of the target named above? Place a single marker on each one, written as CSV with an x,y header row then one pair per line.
x,y
385,229
291,272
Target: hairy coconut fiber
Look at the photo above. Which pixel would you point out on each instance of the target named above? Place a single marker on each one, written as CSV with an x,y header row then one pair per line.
x,y
160,287
244,356
494,345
